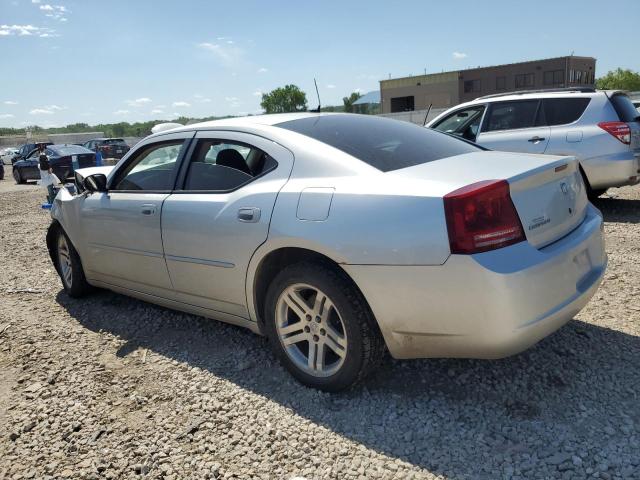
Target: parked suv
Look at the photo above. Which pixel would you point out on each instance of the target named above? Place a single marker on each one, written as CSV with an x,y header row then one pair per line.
x,y
600,128
109,147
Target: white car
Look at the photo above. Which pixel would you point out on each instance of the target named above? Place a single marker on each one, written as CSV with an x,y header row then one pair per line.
x,y
6,154
338,236
600,128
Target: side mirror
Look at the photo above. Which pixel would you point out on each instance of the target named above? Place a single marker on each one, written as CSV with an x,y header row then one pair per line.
x,y
96,183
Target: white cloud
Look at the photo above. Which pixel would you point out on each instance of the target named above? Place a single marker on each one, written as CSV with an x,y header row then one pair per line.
x,y
263,70
121,112
226,54
156,111
180,104
6,115
55,107
257,93
26,30
138,102
41,111
161,106
56,12
331,86
459,55
10,102
46,8
35,1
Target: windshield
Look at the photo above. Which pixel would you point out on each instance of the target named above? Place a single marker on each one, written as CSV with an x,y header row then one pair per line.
x,y
380,142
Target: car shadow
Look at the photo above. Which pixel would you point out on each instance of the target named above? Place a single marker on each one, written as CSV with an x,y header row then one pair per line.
x,y
619,210
447,416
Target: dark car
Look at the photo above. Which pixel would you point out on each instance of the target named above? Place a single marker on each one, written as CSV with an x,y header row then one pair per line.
x,y
109,147
60,158
1,171
26,149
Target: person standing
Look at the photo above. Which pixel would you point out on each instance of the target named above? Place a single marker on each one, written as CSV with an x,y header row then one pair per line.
x,y
47,177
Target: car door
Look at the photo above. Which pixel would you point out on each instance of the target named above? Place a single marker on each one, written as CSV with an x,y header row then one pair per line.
x,y
29,167
515,126
121,227
220,215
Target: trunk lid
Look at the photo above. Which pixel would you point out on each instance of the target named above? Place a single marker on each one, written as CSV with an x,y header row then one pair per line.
x,y
547,191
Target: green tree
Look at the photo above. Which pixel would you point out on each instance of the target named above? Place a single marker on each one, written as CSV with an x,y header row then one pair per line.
x,y
348,101
284,99
619,79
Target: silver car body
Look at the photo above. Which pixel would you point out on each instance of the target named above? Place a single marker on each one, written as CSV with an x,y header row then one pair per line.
x,y
606,161
204,252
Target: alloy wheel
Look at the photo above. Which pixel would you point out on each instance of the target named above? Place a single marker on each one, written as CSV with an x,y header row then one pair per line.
x,y
64,260
311,330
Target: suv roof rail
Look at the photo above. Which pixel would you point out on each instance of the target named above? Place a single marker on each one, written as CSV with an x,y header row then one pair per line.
x,y
543,90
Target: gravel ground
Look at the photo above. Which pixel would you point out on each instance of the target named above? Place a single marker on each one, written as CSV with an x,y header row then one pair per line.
x,y
111,387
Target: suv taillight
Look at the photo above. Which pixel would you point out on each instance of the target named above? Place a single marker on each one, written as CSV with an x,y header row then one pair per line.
x,y
482,217
620,130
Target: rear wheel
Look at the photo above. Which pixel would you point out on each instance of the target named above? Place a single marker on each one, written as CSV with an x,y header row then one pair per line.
x,y
69,266
321,328
18,177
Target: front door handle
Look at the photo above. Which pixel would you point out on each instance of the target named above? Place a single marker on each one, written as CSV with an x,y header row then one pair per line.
x,y
148,209
536,139
249,214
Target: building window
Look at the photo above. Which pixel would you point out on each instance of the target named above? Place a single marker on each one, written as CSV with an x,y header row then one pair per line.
x,y
402,104
554,77
471,86
501,83
525,80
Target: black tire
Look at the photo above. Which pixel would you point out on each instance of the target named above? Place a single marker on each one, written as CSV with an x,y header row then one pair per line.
x,y
76,284
18,177
365,346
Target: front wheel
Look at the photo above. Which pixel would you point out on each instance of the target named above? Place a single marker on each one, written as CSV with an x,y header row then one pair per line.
x,y
69,266
18,178
321,328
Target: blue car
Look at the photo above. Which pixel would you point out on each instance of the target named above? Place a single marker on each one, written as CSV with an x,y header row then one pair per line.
x,y
60,158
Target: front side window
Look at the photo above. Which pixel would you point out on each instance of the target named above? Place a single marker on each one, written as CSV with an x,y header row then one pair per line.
x,y
220,165
153,168
463,123
512,115
382,143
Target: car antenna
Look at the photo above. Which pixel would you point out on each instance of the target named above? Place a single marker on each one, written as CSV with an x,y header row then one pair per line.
x,y
317,110
427,115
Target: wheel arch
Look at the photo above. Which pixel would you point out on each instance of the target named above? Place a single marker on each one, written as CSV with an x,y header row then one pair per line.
x,y
266,265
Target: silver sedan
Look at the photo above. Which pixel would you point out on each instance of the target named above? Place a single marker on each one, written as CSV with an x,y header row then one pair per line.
x,y
337,237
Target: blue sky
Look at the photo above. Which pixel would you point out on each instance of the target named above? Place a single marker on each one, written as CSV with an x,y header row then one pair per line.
x,y
65,61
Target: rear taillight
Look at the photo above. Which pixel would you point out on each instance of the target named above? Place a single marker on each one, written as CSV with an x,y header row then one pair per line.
x,y
482,217
620,130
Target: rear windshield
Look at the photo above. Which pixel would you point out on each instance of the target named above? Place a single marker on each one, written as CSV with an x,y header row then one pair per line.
x,y
624,108
380,142
114,141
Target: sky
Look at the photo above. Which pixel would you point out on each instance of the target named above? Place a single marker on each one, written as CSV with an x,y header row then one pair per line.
x,y
90,61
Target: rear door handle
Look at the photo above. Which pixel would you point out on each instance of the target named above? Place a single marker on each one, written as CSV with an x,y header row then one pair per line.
x,y
249,214
536,139
148,209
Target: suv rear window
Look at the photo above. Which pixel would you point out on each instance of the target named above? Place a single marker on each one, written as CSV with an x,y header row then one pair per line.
x,y
624,108
383,143
560,111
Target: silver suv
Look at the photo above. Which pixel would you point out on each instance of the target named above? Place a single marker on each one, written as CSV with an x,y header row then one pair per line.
x,y
601,128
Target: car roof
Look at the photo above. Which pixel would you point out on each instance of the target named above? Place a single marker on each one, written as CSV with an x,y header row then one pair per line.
x,y
71,146
560,93
253,120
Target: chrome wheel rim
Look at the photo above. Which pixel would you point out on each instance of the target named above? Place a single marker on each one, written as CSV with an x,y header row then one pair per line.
x,y
311,330
64,260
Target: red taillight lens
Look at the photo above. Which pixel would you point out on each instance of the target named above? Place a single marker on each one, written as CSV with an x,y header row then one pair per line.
x,y
482,217
620,130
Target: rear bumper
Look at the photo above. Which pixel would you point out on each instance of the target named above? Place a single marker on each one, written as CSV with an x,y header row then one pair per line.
x,y
612,170
489,305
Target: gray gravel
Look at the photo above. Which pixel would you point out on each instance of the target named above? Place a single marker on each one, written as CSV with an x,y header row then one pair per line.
x,y
111,387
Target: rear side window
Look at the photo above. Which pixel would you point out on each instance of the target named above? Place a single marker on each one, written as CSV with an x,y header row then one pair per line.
x,y
114,141
512,115
560,111
624,108
383,143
